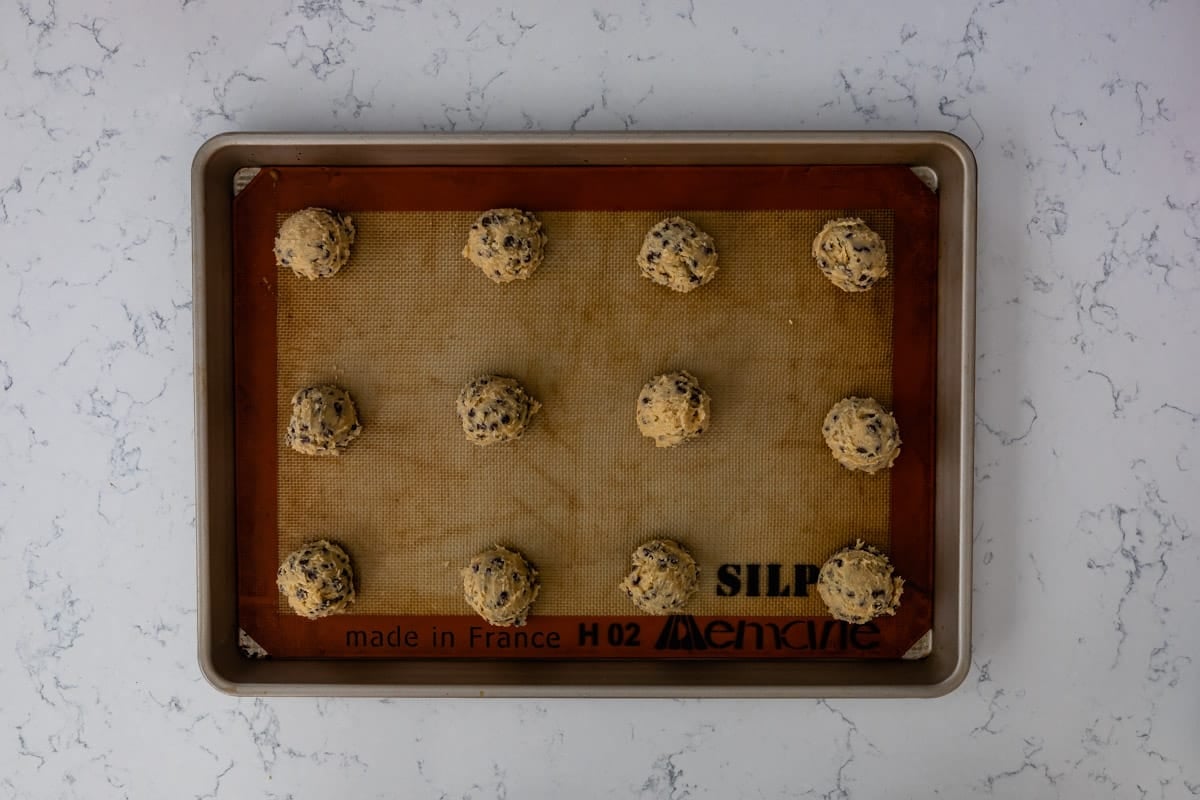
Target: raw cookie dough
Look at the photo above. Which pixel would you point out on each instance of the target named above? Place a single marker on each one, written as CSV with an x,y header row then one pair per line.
x,y
857,584
506,243
850,254
314,242
317,580
673,409
501,586
862,435
678,255
494,409
664,576
324,421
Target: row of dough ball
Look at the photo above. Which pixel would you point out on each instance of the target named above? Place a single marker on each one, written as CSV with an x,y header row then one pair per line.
x,y
493,409
856,583
672,409
508,244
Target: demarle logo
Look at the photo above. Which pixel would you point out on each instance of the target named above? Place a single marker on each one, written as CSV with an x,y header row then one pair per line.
x,y
681,633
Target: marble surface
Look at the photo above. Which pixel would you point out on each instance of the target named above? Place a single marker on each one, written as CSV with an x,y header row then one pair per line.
x,y
1087,642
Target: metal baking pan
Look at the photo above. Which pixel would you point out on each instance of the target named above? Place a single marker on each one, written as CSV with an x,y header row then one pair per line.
x,y
941,160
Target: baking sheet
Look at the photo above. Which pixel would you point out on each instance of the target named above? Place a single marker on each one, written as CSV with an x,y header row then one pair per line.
x,y
226,517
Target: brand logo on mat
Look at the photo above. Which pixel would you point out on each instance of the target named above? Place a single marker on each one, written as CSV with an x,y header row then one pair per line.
x,y
681,633
766,580
684,632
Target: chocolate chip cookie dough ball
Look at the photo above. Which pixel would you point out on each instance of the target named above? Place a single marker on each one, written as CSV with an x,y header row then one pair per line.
x,y
663,578
506,243
314,243
856,584
317,580
862,435
501,586
678,255
324,421
850,254
494,410
673,409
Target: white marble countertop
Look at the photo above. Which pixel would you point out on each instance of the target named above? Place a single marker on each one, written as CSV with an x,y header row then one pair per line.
x,y
1084,120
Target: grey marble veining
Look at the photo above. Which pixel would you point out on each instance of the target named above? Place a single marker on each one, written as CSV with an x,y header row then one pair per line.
x,y
1084,119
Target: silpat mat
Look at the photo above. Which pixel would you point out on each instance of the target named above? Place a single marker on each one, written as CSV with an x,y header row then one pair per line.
x,y
758,499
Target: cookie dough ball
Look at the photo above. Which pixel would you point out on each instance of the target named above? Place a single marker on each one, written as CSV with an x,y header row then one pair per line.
x,y
862,435
317,580
494,409
314,243
850,254
678,255
324,421
663,578
501,586
857,584
673,409
506,243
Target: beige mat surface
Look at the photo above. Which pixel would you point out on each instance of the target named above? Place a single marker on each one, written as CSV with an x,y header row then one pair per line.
x,y
409,321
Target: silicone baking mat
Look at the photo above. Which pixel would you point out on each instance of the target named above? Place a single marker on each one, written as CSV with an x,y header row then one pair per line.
x,y
758,499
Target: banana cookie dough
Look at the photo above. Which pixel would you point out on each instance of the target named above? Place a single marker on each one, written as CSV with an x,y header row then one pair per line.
x,y
856,584
501,586
314,243
862,435
506,243
494,409
663,578
317,580
673,409
850,254
324,421
678,255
